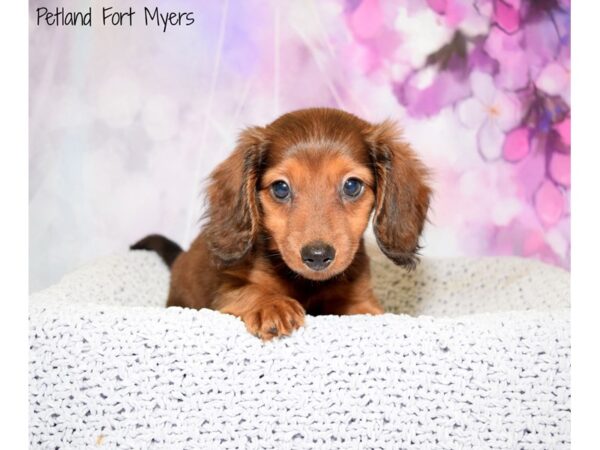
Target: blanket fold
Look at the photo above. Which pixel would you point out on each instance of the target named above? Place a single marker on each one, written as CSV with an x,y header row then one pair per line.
x,y
482,361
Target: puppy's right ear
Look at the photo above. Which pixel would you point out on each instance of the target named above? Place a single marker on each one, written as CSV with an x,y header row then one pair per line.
x,y
233,213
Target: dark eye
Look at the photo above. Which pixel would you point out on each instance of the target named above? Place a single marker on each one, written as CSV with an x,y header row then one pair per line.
x,y
353,187
280,190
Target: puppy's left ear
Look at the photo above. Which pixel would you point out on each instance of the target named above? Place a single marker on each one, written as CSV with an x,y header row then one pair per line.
x,y
402,194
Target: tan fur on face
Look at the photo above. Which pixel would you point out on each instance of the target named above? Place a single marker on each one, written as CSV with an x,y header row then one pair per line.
x,y
247,259
317,211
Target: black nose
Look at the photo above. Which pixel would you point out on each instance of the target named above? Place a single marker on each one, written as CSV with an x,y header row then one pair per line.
x,y
318,255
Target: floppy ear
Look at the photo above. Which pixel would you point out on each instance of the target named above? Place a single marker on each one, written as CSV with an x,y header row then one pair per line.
x,y
233,212
402,194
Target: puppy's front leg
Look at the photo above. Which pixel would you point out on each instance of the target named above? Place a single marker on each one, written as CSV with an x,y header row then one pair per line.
x,y
265,314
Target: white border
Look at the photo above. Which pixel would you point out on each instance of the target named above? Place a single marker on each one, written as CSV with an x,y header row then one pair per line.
x,y
14,262
585,223
585,227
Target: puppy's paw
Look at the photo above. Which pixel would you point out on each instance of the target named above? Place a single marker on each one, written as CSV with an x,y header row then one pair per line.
x,y
278,316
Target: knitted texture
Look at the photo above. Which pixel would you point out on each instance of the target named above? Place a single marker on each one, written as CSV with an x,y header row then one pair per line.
x,y
485,364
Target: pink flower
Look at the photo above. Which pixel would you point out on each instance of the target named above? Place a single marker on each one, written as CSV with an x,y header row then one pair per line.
x,y
549,203
507,49
454,11
439,6
564,130
554,79
425,93
471,18
524,52
366,21
517,144
542,44
491,111
560,168
506,15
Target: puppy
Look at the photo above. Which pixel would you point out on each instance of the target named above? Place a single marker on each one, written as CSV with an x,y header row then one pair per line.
x,y
283,231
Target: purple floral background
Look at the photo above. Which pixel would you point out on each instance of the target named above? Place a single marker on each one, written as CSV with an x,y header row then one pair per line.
x,y
503,69
127,122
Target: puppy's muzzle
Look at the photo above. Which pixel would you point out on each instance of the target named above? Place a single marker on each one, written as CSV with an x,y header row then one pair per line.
x,y
317,256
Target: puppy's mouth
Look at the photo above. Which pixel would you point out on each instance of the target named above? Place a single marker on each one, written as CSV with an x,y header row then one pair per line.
x,y
317,275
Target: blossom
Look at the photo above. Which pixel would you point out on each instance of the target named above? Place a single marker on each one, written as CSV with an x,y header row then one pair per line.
x,y
491,111
517,144
506,15
417,46
443,81
513,60
549,203
554,79
467,16
424,93
559,167
366,21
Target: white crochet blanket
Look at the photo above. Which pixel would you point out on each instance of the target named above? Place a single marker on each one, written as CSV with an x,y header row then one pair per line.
x,y
484,364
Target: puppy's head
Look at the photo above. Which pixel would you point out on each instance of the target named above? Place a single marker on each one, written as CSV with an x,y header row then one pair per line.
x,y
309,182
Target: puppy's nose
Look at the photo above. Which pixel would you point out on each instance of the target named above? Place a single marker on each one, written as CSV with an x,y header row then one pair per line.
x,y
318,255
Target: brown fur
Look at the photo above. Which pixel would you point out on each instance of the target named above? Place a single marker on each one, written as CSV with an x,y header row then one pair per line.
x,y
246,260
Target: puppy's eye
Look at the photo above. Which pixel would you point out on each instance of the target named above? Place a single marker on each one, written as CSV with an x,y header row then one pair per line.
x,y
352,188
280,190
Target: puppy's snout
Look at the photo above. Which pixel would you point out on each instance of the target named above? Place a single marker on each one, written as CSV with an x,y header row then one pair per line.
x,y
318,255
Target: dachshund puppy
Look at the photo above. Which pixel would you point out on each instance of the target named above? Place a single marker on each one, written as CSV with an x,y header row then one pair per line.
x,y
286,214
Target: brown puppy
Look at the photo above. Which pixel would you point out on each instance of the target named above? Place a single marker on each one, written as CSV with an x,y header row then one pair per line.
x,y
286,215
